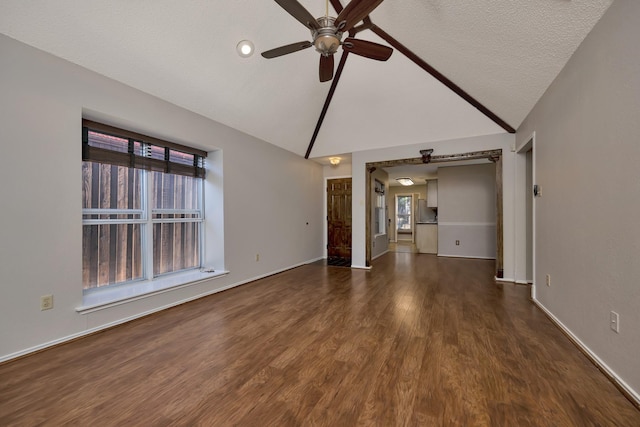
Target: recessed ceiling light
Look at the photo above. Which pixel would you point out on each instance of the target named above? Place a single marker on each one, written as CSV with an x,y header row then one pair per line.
x,y
405,181
245,48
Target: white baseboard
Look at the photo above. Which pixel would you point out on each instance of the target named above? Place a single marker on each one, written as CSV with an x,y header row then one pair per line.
x,y
360,267
87,332
510,280
631,394
465,256
90,331
379,255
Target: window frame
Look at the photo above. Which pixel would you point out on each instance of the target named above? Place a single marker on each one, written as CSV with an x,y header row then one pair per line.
x,y
152,221
146,215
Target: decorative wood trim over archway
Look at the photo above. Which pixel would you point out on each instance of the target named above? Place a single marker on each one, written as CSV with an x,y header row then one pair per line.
x,y
494,156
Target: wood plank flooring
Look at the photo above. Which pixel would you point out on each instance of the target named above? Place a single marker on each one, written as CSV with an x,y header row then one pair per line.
x,y
403,246
419,340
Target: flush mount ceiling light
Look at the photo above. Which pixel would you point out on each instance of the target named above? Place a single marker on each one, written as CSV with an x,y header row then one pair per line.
x,y
245,48
335,161
405,181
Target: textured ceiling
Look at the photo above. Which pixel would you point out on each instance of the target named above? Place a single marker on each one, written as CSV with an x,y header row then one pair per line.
x,y
504,53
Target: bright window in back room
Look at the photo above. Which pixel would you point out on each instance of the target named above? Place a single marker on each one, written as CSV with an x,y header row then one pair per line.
x,y
404,213
380,209
142,205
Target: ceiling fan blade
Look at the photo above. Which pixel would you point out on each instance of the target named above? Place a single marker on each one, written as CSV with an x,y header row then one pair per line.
x,y
326,68
298,11
367,49
355,12
284,50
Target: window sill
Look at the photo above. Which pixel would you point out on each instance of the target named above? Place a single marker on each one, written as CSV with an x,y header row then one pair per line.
x,y
101,299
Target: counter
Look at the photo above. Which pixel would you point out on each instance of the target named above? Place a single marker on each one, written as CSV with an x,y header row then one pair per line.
x,y
427,237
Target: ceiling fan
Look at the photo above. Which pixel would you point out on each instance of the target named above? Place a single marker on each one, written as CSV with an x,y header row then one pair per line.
x,y
327,32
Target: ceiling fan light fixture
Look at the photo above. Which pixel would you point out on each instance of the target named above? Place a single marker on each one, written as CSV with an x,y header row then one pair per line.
x,y
327,44
405,181
245,48
327,38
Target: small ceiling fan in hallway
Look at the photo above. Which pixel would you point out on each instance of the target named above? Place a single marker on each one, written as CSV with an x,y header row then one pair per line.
x,y
327,33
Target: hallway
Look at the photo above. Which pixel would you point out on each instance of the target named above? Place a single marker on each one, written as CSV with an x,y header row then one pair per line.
x,y
403,246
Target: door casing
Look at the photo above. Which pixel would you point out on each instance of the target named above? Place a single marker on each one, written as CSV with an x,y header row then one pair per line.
x,y
493,155
339,217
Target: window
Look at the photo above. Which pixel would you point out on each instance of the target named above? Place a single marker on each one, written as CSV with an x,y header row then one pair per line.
x,y
380,211
142,206
404,213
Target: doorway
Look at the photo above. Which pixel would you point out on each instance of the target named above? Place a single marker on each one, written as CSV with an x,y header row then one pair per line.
x,y
527,159
529,214
404,218
339,221
403,236
495,156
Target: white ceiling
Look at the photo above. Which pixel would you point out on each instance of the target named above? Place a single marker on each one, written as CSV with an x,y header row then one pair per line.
x,y
504,53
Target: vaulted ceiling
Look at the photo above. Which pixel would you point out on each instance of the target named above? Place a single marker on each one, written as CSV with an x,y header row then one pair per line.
x,y
502,53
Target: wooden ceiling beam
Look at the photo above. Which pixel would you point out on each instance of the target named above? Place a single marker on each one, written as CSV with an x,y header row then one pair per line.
x,y
490,155
327,102
440,77
367,24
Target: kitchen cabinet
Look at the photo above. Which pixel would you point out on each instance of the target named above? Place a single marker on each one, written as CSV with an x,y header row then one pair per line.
x,y
427,238
432,193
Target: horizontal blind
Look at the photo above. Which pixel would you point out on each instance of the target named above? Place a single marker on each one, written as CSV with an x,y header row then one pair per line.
x,y
107,144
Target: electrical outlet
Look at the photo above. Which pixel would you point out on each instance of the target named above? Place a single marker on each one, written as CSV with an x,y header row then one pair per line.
x,y
457,242
614,322
46,302
257,257
548,280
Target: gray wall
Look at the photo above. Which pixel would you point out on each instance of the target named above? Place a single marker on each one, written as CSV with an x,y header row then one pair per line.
x,y
467,211
587,154
255,194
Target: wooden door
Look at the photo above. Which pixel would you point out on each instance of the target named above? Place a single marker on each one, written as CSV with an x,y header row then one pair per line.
x,y
339,218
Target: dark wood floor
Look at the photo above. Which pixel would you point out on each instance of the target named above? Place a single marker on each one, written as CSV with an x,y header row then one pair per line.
x,y
419,340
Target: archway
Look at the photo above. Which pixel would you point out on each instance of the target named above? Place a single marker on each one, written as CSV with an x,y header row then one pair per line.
x,y
494,156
